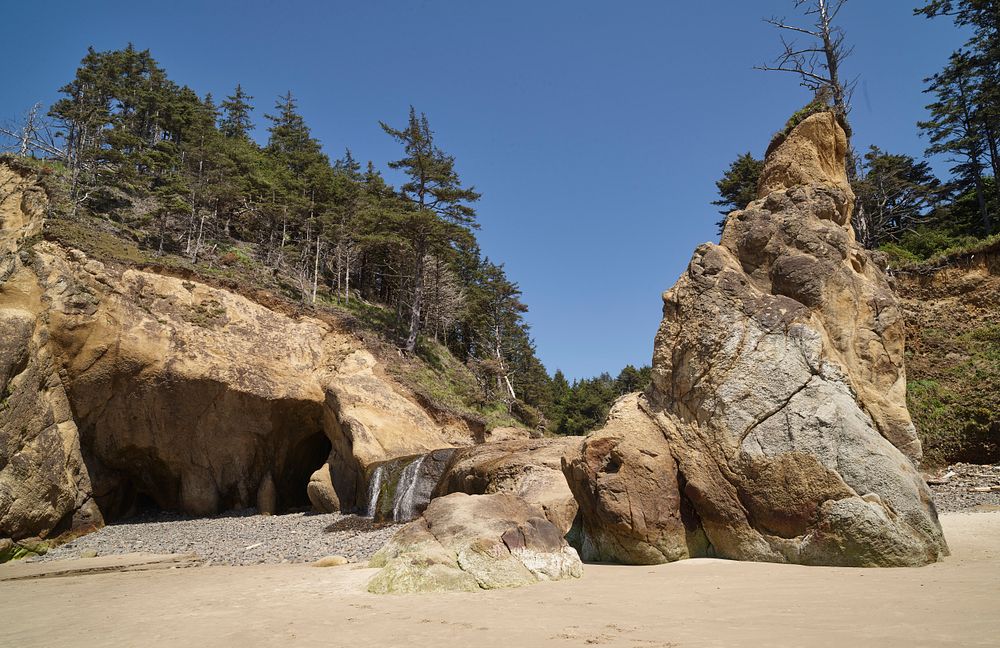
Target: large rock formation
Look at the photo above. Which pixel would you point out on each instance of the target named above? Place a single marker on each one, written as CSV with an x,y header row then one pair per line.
x,y
471,542
121,386
43,481
779,388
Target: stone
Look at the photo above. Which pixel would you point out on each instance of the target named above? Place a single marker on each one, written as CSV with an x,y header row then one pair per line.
x,y
470,542
331,561
528,468
779,381
88,553
320,490
400,489
626,482
371,422
506,434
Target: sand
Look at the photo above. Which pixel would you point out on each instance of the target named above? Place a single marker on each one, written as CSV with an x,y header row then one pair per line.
x,y
685,604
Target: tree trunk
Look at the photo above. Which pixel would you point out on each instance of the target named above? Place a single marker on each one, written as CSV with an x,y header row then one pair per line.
x,y
316,269
418,297
347,278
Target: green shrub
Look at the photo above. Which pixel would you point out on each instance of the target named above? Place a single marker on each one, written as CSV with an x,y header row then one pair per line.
x,y
899,256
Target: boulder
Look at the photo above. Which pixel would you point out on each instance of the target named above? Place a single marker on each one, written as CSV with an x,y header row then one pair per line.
x,y
320,490
627,484
779,384
471,542
528,468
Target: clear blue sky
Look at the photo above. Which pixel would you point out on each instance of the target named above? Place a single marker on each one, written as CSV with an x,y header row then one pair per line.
x,y
594,130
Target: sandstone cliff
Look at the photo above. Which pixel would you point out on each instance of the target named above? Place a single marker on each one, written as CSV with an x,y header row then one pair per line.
x,y
122,387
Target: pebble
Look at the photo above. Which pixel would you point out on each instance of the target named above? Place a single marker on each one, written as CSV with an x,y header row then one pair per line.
x,y
237,538
967,487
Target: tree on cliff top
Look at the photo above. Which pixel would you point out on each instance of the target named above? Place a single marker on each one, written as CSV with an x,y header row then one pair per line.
x,y
817,62
738,185
438,204
965,116
236,111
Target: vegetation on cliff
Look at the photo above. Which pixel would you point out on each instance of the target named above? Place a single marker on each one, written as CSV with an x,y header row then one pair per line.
x,y
141,170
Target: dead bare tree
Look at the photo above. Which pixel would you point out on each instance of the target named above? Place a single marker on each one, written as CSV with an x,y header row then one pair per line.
x,y
32,134
818,61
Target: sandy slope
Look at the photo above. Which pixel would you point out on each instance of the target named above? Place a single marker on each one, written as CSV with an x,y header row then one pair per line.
x,y
690,603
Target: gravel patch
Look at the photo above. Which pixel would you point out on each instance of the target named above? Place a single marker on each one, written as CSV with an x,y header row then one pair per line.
x,y
237,537
965,487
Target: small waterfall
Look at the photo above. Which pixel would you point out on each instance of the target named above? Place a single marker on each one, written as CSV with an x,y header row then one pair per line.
x,y
402,505
400,489
374,488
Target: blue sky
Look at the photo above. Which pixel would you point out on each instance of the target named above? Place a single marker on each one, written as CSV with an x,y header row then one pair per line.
x,y
594,130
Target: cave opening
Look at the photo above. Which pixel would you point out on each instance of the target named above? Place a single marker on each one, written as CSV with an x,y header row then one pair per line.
x,y
213,467
301,462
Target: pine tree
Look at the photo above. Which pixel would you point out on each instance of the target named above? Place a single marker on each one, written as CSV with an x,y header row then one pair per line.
x,y
738,185
956,129
437,204
236,109
965,119
896,194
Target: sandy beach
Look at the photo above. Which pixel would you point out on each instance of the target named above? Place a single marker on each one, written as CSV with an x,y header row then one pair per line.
x,y
685,604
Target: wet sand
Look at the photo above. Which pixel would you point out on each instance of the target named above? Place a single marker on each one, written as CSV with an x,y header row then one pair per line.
x,y
685,604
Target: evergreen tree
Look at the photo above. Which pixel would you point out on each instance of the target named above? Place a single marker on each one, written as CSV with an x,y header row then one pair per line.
x,y
738,185
956,129
290,138
236,111
896,194
438,204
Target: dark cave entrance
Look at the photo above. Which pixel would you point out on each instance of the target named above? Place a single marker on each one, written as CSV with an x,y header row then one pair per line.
x,y
300,463
141,480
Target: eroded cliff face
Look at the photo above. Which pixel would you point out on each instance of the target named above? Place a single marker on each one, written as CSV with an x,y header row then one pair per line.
x,y
123,387
953,356
779,388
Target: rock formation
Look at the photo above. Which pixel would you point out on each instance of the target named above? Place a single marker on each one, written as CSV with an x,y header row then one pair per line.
x,y
775,429
779,388
121,386
527,468
471,542
626,482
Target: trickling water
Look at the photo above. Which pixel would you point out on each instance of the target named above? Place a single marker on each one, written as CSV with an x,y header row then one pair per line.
x,y
400,489
402,505
374,488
